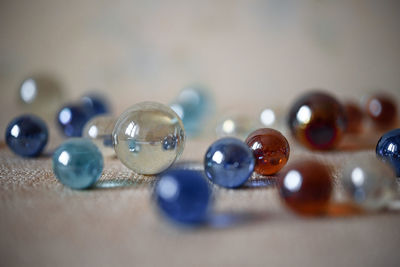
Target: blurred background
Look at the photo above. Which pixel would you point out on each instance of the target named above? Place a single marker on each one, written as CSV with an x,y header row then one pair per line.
x,y
249,54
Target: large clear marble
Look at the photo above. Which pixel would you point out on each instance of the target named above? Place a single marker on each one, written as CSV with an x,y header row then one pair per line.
x,y
369,182
99,131
148,137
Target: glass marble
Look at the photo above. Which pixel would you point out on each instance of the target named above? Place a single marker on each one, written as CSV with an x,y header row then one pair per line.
x,y
270,149
388,149
77,163
229,162
72,118
27,135
235,125
96,104
369,182
183,196
148,137
305,186
382,110
99,130
354,116
193,105
317,120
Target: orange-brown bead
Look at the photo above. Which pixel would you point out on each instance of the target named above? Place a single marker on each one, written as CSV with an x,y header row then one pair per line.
x,y
354,116
382,110
270,149
306,187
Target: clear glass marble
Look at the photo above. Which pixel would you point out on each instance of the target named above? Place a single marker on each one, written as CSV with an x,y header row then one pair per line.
x,y
369,182
235,125
148,137
99,130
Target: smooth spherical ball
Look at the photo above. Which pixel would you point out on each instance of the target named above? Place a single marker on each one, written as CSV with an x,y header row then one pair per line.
x,y
305,187
270,149
27,135
354,116
72,118
369,182
77,163
382,110
235,125
317,120
148,137
183,196
388,149
99,131
96,104
229,162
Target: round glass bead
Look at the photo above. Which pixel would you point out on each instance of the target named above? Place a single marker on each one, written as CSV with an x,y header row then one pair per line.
x,y
148,137
229,162
183,196
235,125
72,118
77,163
306,187
382,110
270,149
354,116
317,120
27,135
96,104
369,182
388,149
99,131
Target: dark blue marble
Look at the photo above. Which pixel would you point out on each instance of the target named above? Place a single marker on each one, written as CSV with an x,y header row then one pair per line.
x,y
388,149
27,135
72,119
78,163
183,196
229,162
95,104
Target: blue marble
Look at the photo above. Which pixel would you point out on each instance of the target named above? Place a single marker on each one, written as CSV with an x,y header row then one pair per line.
x,y
78,163
229,162
183,196
388,149
72,119
95,104
193,105
27,135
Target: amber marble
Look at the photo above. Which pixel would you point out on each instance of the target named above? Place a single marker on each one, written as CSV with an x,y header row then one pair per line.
x,y
270,149
317,120
305,187
354,116
382,110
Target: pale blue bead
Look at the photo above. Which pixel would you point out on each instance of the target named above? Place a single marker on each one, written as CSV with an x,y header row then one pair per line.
x,y
78,163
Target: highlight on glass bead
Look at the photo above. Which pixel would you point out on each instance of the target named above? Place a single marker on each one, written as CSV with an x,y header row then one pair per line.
x,y
193,105
317,120
369,182
235,125
305,186
268,117
382,109
27,135
270,149
183,196
72,118
229,162
96,104
99,131
77,163
388,149
148,137
354,117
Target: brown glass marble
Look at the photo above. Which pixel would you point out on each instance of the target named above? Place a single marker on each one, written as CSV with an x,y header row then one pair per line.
x,y
317,120
382,110
306,187
270,149
354,116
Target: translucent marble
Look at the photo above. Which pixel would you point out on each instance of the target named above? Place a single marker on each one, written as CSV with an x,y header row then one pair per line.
x,y
77,163
305,186
27,135
317,120
229,162
354,116
99,130
235,125
270,149
183,196
388,149
369,182
382,109
72,118
96,104
148,137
